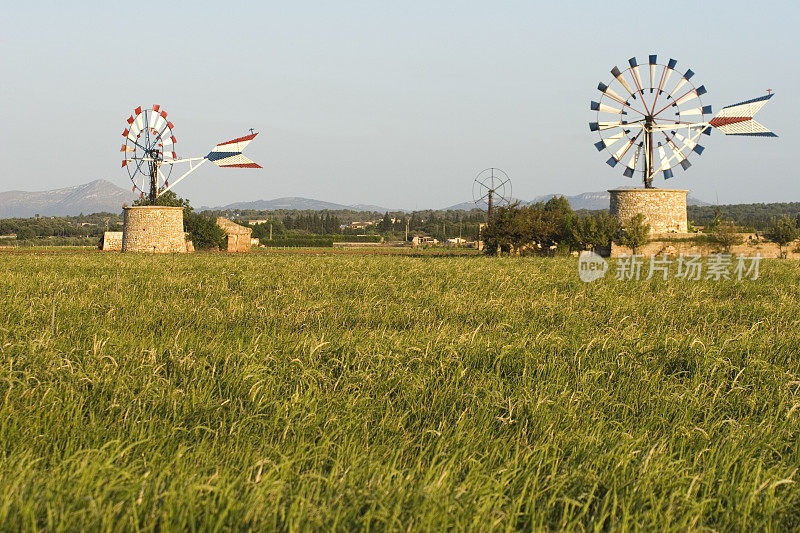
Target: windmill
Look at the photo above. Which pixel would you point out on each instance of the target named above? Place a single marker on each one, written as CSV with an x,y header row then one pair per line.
x,y
491,186
655,127
149,152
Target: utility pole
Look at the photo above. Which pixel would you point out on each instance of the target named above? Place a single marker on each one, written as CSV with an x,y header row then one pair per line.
x,y
406,230
270,230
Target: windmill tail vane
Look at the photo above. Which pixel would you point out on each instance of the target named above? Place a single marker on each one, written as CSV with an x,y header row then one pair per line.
x,y
229,153
737,119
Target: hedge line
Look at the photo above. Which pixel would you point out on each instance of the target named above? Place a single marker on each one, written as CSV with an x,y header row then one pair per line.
x,y
321,241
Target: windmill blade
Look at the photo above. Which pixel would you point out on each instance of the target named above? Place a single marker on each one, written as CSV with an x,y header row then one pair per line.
x,y
705,110
618,75
139,119
608,91
684,79
691,143
634,158
159,123
597,106
631,167
636,76
653,59
621,152
662,154
153,116
129,135
677,153
614,159
690,95
687,141
737,119
601,126
667,73
229,153
608,141
135,129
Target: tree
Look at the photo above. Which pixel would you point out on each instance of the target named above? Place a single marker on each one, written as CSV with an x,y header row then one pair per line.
x,y
561,214
203,231
168,199
498,235
782,231
592,232
635,233
385,224
26,233
726,234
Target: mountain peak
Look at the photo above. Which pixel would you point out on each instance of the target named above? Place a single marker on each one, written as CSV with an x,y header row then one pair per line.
x,y
93,197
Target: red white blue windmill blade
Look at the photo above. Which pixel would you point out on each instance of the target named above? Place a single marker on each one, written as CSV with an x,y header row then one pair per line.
x,y
149,145
653,127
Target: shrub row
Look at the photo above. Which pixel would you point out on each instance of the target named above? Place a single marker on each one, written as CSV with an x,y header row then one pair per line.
x,y
325,241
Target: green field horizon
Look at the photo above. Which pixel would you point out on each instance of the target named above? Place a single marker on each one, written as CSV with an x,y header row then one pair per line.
x,y
339,392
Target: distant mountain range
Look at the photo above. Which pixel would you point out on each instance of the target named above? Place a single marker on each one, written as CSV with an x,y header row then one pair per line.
x,y
102,195
92,197
588,200
298,203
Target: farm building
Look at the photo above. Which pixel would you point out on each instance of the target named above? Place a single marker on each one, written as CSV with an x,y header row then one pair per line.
x,y
239,237
112,241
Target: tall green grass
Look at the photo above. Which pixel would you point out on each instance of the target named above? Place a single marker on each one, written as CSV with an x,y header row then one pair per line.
x,y
217,392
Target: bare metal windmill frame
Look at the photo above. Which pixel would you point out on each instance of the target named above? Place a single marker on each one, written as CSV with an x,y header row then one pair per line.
x,y
493,186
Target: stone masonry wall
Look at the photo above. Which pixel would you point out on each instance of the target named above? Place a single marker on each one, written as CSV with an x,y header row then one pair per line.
x,y
238,236
112,241
153,228
663,209
683,244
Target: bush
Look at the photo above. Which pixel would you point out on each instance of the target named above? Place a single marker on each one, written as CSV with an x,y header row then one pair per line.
x,y
726,235
203,231
782,231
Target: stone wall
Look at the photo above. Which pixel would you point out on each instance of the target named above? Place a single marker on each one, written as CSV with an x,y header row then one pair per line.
x,y
684,244
238,236
663,209
112,241
153,228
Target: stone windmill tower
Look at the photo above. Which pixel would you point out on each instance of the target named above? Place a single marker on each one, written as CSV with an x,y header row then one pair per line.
x,y
149,156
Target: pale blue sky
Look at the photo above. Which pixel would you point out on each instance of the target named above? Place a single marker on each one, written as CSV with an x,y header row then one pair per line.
x,y
398,104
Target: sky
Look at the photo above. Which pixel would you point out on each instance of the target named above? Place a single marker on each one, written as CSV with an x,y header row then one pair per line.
x,y
397,104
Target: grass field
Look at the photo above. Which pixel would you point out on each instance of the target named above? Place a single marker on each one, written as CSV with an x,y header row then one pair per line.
x,y
271,391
